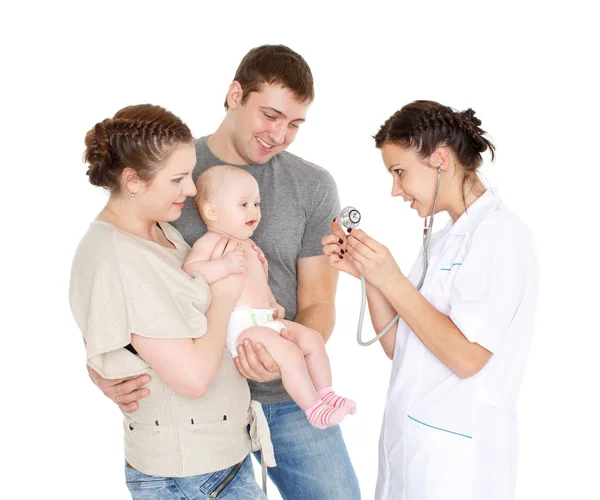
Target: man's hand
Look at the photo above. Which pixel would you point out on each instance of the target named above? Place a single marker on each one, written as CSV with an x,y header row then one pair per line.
x,y
255,363
261,258
278,311
123,391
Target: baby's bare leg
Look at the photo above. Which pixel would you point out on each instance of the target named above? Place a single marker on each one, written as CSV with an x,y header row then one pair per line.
x,y
312,346
291,361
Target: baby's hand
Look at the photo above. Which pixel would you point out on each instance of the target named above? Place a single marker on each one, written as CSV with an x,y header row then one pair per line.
x,y
278,311
235,262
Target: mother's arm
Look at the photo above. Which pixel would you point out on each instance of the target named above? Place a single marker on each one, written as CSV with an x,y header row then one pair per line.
x,y
127,392
189,366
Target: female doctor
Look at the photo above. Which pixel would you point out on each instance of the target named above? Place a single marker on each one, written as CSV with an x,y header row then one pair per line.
x,y
460,346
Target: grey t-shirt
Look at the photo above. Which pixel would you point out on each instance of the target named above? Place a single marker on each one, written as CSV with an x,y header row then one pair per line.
x,y
298,202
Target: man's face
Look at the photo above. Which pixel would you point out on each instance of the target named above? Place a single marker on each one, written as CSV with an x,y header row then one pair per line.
x,y
266,124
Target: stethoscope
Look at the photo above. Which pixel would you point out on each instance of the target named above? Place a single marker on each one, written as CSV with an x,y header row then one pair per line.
x,y
349,219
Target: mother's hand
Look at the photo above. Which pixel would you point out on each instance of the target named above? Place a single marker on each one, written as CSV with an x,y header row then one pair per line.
x,y
371,259
231,286
334,246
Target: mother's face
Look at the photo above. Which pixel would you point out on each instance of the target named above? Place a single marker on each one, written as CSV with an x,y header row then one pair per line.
x,y
413,179
162,198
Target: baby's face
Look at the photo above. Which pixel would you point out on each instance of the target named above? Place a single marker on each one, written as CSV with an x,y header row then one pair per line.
x,y
237,201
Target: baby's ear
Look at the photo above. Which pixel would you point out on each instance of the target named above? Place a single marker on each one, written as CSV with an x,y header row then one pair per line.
x,y
209,212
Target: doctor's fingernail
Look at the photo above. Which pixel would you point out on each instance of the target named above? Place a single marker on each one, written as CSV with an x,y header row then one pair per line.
x,y
349,230
342,252
340,241
334,219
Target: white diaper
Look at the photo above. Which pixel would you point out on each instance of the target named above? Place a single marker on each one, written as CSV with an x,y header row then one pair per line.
x,y
244,317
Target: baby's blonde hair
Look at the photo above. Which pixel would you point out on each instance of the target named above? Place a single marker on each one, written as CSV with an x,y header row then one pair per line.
x,y
210,181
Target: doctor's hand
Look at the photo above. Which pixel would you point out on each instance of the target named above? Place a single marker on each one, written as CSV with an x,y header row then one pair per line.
x,y
334,246
371,259
255,363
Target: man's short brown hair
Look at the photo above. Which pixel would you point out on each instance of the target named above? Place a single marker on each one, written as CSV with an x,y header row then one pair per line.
x,y
275,64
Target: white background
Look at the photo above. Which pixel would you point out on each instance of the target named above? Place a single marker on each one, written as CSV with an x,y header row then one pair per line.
x,y
528,70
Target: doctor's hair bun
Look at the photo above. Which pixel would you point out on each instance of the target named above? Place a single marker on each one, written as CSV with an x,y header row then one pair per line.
x,y
425,125
140,137
469,123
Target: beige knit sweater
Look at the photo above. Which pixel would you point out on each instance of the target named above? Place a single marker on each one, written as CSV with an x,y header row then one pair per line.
x,y
122,284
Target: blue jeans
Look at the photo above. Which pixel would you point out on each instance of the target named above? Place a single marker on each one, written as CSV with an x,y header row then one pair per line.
x,y
223,485
312,464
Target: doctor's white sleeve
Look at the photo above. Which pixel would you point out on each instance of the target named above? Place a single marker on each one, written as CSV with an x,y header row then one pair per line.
x,y
493,279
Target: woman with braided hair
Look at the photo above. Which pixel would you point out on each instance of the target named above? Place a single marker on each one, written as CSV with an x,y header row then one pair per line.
x,y
460,345
141,314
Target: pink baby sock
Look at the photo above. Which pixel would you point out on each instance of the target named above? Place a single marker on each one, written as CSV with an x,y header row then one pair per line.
x,y
322,415
332,399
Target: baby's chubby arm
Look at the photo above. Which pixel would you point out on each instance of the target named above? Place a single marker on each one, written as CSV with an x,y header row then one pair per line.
x,y
198,260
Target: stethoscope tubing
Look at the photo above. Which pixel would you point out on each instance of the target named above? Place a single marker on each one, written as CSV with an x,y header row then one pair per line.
x,y
426,237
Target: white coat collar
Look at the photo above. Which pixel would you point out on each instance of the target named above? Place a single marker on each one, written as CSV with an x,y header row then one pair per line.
x,y
487,202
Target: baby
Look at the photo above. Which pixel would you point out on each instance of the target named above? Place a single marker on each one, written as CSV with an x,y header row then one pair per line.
x,y
228,202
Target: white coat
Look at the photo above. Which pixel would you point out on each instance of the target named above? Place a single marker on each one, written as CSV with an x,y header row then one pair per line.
x,y
443,437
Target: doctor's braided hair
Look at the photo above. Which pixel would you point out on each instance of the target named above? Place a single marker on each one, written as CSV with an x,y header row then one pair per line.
x,y
140,137
422,126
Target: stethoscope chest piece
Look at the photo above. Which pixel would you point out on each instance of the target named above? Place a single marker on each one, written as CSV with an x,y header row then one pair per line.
x,y
349,218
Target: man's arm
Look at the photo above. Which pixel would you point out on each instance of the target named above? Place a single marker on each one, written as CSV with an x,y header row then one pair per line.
x,y
317,284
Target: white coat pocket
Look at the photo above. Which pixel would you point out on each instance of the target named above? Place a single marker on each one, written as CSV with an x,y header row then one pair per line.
x,y
439,463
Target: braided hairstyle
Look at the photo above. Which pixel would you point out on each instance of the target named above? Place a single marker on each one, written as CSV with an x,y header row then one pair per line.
x,y
422,126
140,137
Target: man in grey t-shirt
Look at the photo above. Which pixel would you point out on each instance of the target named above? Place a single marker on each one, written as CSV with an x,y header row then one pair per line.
x,y
298,202
266,104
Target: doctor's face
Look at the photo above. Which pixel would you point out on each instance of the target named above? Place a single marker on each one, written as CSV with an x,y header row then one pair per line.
x,y
412,177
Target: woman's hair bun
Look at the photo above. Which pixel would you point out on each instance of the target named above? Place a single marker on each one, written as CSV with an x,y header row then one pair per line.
x,y
98,154
140,137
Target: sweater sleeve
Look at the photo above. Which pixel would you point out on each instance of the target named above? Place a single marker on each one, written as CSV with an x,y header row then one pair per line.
x,y
119,288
